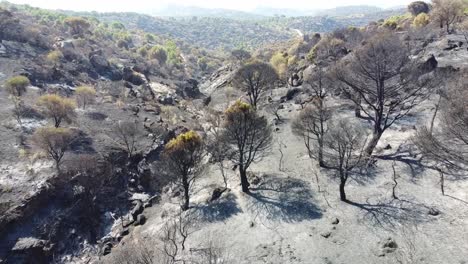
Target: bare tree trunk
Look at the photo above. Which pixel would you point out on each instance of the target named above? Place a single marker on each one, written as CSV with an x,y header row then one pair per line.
x,y
342,190
320,153
244,181
357,107
373,142
185,184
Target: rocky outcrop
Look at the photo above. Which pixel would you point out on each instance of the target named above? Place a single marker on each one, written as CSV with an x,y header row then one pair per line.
x,y
188,89
103,67
30,250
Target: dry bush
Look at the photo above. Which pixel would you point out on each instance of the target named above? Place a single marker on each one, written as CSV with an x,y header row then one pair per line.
x,y
134,252
446,13
77,25
54,57
312,125
57,108
343,150
54,141
85,95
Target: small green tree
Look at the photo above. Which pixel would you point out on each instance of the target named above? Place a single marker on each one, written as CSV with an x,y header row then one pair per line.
x,y
16,85
57,108
421,20
158,53
249,136
182,157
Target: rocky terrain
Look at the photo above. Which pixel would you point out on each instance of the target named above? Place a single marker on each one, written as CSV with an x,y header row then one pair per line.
x,y
113,196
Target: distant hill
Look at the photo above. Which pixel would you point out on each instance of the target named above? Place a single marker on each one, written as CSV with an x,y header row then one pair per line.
x,y
190,11
226,29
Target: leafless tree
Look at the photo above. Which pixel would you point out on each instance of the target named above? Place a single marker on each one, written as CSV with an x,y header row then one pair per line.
x,y
447,146
175,233
55,142
170,245
255,78
343,150
463,28
447,13
386,81
217,146
312,125
182,160
126,134
250,136
212,253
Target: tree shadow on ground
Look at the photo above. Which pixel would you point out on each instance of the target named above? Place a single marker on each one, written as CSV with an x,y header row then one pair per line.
x,y
391,213
413,162
218,210
283,199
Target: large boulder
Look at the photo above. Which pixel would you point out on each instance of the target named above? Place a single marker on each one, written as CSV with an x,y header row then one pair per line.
x,y
134,77
104,68
31,250
189,89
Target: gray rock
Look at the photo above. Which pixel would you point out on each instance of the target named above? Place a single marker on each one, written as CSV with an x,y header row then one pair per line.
x,y
141,220
335,221
433,212
28,243
326,234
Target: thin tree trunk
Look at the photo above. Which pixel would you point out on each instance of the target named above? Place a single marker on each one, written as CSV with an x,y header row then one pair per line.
x,y
442,179
435,114
186,194
395,183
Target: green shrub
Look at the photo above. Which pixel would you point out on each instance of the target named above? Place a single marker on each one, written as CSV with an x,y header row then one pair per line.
x,y
16,86
158,53
421,20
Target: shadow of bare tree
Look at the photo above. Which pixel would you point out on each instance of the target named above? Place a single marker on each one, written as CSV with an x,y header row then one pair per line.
x,y
390,214
218,210
283,199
